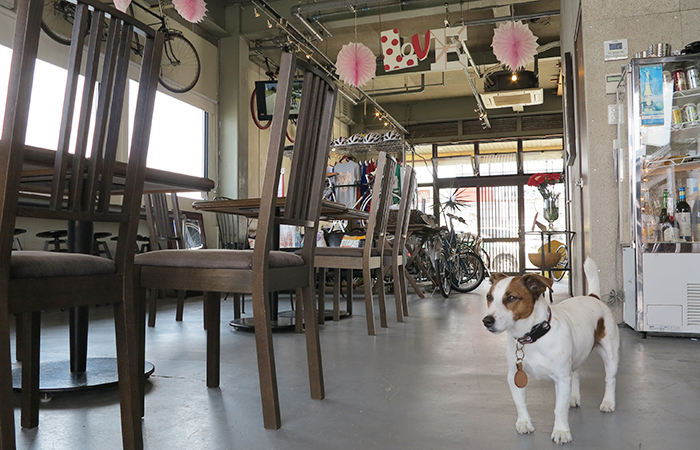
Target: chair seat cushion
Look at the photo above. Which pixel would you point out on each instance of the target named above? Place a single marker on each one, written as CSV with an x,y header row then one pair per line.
x,y
214,259
36,264
343,251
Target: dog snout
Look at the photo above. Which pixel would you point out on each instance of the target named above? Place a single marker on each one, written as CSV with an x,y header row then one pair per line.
x,y
489,321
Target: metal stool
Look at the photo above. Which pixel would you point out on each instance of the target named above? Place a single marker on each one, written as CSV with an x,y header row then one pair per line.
x,y
53,237
16,244
145,243
100,247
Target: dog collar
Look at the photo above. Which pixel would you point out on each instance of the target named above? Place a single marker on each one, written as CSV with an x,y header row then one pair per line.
x,y
538,330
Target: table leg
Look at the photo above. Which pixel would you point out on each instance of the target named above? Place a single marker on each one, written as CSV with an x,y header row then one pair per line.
x,y
80,237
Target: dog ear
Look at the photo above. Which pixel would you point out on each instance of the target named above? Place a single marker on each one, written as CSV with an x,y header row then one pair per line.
x,y
537,284
495,277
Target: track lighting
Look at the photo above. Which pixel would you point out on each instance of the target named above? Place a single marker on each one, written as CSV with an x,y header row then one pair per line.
x,y
514,77
269,24
256,12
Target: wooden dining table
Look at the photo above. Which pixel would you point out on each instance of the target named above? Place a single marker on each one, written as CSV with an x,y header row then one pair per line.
x,y
250,208
81,372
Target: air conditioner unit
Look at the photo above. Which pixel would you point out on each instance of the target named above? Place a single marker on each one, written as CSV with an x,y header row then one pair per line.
x,y
515,99
343,110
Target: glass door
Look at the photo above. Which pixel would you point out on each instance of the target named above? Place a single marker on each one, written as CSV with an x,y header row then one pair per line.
x,y
499,224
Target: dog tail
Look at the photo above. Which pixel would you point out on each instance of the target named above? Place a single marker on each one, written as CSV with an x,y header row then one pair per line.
x,y
591,270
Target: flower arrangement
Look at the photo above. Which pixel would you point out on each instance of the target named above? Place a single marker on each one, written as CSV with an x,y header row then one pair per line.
x,y
543,183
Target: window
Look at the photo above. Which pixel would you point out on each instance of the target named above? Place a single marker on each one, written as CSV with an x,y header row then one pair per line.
x,y
178,135
543,155
5,61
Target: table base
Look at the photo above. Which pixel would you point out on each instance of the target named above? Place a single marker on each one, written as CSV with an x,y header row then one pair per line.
x,y
285,321
56,376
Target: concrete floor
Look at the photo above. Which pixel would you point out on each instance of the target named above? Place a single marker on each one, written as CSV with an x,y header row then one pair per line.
x,y
434,382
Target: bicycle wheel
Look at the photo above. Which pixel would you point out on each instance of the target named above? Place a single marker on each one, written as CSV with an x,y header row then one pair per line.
x,y
57,20
179,67
558,275
473,272
443,275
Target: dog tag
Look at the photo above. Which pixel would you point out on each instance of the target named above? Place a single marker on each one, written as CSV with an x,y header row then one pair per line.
x,y
520,377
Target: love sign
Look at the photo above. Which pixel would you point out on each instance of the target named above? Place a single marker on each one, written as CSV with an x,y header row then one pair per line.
x,y
447,40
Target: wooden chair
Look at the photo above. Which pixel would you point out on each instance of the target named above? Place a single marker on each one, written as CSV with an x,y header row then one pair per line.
x,y
167,228
265,270
370,256
79,191
398,246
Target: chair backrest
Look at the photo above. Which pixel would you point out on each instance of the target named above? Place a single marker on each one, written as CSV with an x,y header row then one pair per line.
x,y
310,156
165,222
79,186
382,193
231,236
408,193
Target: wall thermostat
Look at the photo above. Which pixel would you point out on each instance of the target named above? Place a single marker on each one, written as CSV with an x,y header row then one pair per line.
x,y
616,49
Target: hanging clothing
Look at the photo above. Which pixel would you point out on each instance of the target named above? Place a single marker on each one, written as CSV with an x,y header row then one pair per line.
x,y
348,174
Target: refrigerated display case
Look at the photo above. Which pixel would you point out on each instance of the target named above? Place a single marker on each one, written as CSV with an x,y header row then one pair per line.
x,y
658,151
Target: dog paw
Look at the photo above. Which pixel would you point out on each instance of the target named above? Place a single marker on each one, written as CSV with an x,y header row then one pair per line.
x,y
575,401
524,426
607,406
561,436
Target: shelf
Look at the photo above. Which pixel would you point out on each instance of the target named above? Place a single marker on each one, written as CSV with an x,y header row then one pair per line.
x,y
686,93
680,164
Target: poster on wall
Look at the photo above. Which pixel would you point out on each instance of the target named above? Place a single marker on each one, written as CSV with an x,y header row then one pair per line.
x,y
652,100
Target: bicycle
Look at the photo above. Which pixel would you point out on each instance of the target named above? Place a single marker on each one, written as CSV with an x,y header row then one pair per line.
x,y
180,65
458,266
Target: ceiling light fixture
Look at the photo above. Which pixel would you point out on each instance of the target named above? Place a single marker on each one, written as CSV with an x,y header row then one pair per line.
x,y
256,12
269,24
514,77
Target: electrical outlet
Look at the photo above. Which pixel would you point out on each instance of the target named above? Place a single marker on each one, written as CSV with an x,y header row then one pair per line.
x,y
613,115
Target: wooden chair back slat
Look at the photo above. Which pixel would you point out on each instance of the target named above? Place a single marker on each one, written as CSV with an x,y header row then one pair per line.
x,y
381,200
101,117
115,115
90,81
408,193
80,28
164,221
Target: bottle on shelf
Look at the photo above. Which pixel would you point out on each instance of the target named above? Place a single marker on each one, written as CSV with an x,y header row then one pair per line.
x,y
682,216
669,230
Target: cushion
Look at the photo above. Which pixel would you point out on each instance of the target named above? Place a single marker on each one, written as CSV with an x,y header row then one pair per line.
x,y
214,259
37,264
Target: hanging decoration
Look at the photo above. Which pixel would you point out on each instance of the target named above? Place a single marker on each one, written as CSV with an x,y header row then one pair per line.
x,y
191,10
398,55
356,64
121,5
514,45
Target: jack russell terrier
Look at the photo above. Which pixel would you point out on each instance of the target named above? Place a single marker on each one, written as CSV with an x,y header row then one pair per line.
x,y
552,341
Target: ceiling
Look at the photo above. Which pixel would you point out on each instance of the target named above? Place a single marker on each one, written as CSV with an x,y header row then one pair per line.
x,y
411,17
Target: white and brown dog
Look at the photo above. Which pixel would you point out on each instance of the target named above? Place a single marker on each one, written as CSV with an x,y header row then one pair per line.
x,y
552,341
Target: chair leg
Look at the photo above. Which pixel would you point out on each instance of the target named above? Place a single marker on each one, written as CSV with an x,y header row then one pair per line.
x,y
7,414
19,337
266,357
236,306
404,289
398,293
321,276
130,367
336,294
313,345
180,305
351,289
299,312
381,290
212,301
153,307
369,302
31,326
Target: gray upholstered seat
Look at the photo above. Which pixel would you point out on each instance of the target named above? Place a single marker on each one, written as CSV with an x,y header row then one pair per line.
x,y
214,259
37,264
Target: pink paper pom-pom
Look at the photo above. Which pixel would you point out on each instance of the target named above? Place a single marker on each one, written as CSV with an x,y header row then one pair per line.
x,y
514,45
121,5
191,10
356,64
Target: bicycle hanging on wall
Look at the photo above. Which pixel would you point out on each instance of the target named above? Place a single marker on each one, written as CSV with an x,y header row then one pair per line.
x,y
180,65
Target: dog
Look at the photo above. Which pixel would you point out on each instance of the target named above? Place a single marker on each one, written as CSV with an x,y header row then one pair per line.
x,y
552,341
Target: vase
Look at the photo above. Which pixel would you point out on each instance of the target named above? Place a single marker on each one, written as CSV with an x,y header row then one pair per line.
x,y
551,210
